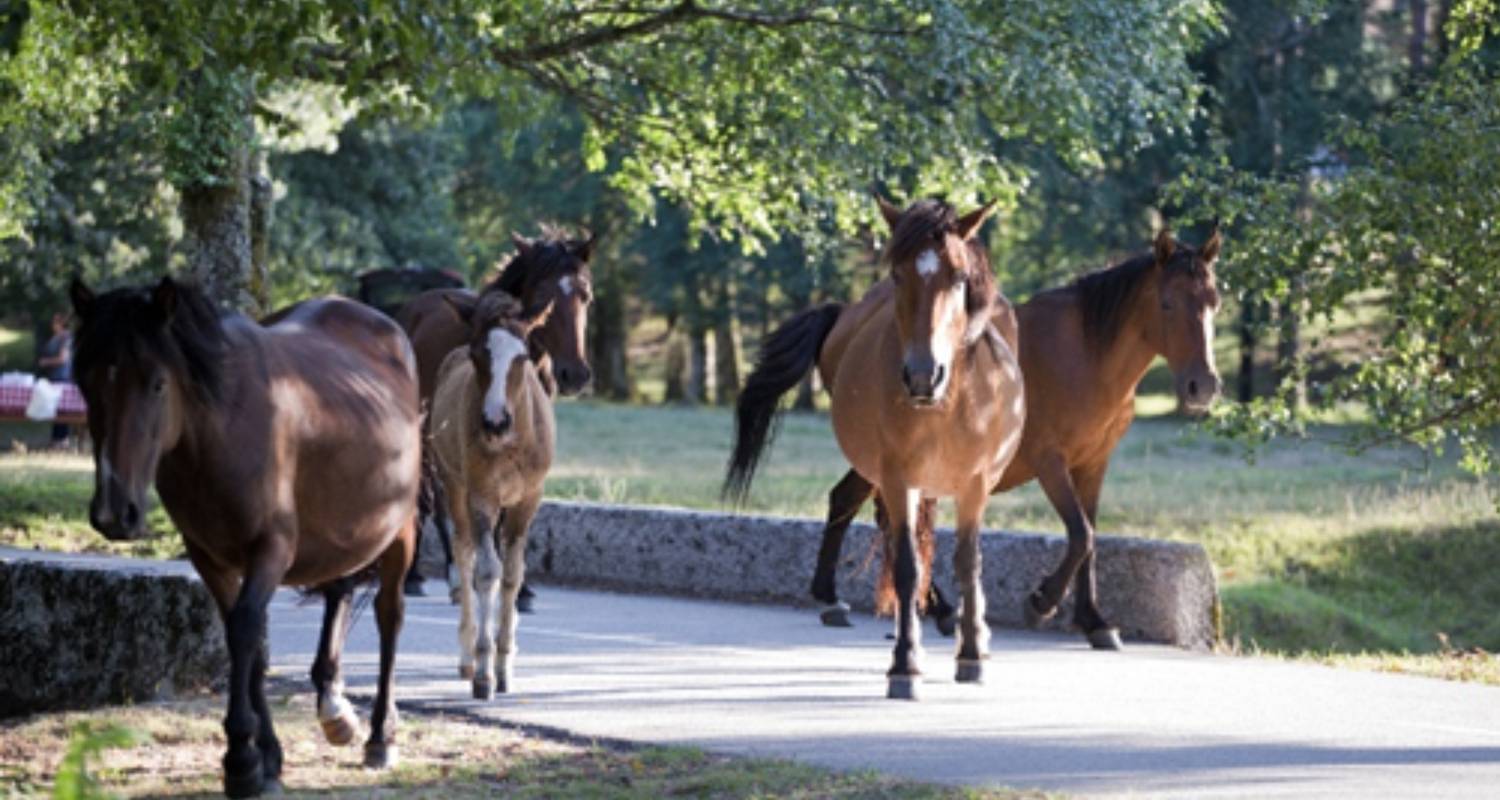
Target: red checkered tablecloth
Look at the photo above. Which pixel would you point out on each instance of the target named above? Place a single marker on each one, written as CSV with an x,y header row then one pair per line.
x,y
13,400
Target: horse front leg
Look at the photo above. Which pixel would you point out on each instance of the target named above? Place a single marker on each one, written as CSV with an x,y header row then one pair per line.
x,y
390,612
1086,614
517,523
463,559
973,633
1057,483
336,715
487,586
844,502
245,630
905,675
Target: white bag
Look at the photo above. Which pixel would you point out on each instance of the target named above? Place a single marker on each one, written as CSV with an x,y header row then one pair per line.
x,y
44,399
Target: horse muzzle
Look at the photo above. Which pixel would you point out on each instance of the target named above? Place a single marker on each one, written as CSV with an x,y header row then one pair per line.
x,y
924,380
572,378
498,428
118,517
1197,391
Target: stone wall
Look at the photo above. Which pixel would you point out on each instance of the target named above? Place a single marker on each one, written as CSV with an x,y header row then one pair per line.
x,y
1153,590
77,632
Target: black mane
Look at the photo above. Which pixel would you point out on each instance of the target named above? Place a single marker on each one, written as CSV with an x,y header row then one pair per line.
x,y
126,324
1105,294
551,256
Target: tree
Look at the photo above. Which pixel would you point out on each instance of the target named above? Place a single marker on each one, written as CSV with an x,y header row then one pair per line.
x,y
741,113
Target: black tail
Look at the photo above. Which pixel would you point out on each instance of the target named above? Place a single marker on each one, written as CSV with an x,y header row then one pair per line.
x,y
786,356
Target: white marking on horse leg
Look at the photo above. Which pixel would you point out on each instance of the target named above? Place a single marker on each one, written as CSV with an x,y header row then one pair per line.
x,y
487,583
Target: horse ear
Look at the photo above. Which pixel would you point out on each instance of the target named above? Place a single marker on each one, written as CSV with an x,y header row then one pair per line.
x,y
465,311
164,298
538,318
584,248
522,243
891,213
970,223
1209,253
82,297
1164,246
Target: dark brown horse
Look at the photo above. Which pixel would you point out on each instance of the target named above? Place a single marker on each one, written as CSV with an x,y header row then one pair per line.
x,y
927,403
1084,348
286,454
551,270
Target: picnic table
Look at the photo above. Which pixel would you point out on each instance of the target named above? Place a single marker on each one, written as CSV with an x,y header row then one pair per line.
x,y
70,406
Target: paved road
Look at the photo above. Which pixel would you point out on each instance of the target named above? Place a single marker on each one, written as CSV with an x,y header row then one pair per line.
x,y
1152,721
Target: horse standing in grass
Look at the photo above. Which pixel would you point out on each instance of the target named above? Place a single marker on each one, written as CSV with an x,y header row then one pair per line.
x,y
491,435
1084,349
927,403
285,454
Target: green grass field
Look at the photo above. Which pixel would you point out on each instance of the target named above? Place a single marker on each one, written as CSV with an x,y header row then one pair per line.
x,y
1383,560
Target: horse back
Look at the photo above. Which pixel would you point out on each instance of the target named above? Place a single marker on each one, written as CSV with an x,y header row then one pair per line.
x,y
435,330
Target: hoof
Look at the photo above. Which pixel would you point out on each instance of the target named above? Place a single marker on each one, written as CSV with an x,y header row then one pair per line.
x,y
836,615
1034,617
483,689
903,687
526,604
947,625
342,729
1106,639
413,589
379,755
466,671
272,786
969,671
251,784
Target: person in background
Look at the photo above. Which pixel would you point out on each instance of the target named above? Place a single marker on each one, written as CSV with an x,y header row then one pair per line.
x,y
56,364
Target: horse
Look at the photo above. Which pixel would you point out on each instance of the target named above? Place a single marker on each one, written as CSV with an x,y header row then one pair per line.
x,y
286,454
929,405
552,269
1084,349
491,435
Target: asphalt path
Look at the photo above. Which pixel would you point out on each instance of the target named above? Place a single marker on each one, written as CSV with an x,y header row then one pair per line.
x,y
771,681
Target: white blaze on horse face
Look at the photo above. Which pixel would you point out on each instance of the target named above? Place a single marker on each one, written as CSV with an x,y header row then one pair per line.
x,y
505,348
565,285
927,264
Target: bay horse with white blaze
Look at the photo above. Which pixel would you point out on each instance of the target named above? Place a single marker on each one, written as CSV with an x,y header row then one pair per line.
x,y
286,454
1084,349
491,435
927,403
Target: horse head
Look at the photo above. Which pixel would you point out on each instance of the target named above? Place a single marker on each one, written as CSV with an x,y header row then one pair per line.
x,y
1185,302
499,327
554,270
143,357
944,290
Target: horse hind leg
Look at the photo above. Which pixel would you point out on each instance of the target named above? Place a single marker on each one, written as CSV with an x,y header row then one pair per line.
x,y
844,502
487,586
390,613
336,715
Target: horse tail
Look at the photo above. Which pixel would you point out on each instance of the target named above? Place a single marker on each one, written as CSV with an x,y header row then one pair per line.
x,y
786,356
926,530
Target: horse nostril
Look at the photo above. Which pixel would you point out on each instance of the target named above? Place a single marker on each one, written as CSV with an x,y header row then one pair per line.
x,y
905,376
1192,388
938,375
132,516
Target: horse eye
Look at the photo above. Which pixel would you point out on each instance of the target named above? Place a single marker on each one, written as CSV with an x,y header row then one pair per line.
x,y
159,385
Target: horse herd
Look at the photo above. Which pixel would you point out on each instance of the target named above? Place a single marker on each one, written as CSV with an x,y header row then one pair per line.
x,y
298,449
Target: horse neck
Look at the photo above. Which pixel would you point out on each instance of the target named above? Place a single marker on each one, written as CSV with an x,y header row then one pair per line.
x,y
1125,361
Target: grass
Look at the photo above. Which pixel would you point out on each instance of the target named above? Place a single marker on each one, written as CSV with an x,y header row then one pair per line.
x,y
180,745
1382,559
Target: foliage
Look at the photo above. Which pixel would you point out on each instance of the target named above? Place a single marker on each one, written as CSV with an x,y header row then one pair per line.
x,y
1405,216
74,782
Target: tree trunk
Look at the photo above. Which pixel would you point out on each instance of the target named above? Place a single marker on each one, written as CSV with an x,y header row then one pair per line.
x,y
607,337
1416,46
260,241
676,377
726,349
699,369
1245,386
216,238
1288,333
806,399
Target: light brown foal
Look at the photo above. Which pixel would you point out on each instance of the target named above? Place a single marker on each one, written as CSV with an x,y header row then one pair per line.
x,y
927,403
492,435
